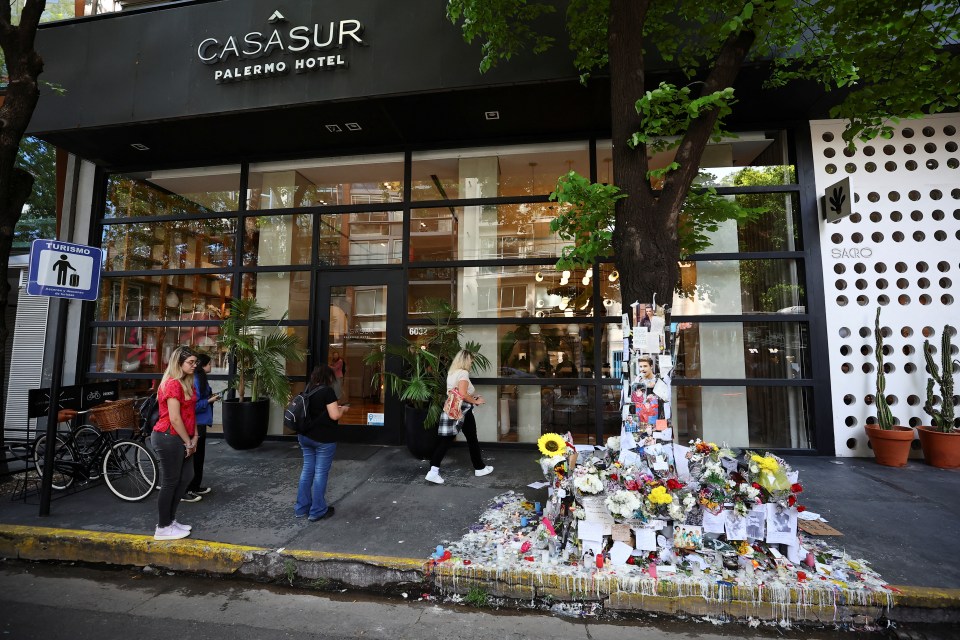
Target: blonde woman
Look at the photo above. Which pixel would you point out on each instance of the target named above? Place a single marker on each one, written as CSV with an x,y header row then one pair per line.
x,y
174,440
459,377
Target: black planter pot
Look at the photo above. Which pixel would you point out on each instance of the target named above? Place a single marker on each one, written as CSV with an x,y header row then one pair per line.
x,y
421,442
245,423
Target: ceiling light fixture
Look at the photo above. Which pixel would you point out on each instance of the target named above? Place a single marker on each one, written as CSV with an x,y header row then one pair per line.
x,y
539,276
334,128
586,280
140,147
353,126
491,115
614,276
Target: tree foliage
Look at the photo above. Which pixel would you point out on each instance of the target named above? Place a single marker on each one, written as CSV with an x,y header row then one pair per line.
x,y
881,60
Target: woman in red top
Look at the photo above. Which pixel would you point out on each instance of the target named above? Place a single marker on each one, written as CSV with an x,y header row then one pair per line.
x,y
174,439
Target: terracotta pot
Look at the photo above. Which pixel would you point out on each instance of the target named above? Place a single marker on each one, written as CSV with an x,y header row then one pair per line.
x,y
940,449
891,447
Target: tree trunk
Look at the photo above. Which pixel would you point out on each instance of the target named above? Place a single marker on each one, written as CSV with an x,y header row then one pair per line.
x,y
23,67
645,241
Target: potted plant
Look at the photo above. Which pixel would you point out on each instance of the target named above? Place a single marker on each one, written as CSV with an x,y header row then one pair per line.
x,y
260,354
941,440
890,442
422,382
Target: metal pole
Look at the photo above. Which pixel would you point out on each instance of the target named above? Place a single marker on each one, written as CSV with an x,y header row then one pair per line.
x,y
46,483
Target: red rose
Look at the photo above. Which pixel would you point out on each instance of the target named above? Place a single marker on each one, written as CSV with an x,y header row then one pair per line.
x,y
792,500
756,486
613,476
801,576
673,485
632,485
801,508
796,487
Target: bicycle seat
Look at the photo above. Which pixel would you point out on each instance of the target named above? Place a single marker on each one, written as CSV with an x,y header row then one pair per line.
x,y
66,415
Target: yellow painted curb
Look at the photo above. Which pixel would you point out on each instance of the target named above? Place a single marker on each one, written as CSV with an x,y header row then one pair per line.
x,y
43,543
926,597
387,562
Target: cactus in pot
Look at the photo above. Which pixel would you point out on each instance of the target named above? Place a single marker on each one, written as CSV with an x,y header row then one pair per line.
x,y
942,375
884,415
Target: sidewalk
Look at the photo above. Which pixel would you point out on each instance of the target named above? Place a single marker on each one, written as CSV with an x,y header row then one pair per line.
x,y
389,520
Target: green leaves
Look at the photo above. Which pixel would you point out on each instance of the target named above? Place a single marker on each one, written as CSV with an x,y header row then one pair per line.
x,y
667,112
503,26
587,219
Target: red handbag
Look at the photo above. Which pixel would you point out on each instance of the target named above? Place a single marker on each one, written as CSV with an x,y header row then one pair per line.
x,y
453,405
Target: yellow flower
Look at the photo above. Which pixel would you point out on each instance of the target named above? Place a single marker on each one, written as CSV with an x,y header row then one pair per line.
x,y
745,548
766,463
659,495
551,445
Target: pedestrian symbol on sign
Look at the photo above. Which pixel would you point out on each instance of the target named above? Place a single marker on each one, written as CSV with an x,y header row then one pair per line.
x,y
61,266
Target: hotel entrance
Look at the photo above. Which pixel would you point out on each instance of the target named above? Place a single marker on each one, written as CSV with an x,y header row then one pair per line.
x,y
360,312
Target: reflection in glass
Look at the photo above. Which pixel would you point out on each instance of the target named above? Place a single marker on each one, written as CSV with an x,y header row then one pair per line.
x,y
495,171
203,296
740,286
358,325
743,350
326,181
374,237
148,349
777,229
484,232
522,413
535,350
754,417
753,158
180,244
284,294
182,192
278,240
524,291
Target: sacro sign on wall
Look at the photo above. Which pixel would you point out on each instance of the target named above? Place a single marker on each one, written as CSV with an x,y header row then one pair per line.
x,y
256,54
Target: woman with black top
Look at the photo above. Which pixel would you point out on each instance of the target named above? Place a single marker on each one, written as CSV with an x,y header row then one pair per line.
x,y
318,443
204,410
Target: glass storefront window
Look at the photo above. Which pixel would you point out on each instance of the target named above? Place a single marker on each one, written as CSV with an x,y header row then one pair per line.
x,y
743,350
148,349
749,417
492,172
284,294
177,244
371,237
173,297
524,291
522,413
535,350
484,232
278,240
325,182
752,158
740,286
778,229
181,192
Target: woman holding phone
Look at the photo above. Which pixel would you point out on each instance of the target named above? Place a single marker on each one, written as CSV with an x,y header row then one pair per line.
x,y
204,409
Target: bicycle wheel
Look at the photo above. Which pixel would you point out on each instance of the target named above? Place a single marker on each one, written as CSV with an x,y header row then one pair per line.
x,y
130,470
87,442
64,459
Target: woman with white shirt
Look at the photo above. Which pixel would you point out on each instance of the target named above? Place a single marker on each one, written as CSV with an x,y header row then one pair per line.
x,y
459,377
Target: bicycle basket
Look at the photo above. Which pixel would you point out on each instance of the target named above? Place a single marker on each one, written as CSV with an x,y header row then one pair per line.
x,y
111,416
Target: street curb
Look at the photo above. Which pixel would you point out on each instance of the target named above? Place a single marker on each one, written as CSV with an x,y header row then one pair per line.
x,y
321,569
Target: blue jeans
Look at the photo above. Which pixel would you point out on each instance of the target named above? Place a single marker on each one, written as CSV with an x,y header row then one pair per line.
x,y
317,458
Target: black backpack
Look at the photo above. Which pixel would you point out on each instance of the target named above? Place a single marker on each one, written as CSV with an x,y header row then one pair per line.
x,y
296,416
149,413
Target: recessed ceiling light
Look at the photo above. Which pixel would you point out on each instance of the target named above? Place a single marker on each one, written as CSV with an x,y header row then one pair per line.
x,y
353,126
140,147
334,128
491,115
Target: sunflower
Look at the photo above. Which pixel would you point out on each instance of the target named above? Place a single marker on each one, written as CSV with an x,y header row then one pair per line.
x,y
551,445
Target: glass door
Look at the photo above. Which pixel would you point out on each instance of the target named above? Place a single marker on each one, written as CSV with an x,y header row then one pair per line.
x,y
360,314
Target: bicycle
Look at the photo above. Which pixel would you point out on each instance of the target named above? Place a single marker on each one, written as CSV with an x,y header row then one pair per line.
x,y
91,451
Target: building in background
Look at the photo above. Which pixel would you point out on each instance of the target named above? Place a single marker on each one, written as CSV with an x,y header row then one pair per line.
x,y
344,182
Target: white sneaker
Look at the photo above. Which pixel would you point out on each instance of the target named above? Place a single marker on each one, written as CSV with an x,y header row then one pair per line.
x,y
170,533
482,472
180,525
434,477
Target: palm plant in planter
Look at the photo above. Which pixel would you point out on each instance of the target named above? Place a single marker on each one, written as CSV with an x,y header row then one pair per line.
x,y
260,355
890,441
941,440
422,382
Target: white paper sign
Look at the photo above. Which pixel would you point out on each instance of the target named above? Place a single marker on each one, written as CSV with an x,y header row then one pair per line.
x,y
735,526
620,553
630,459
781,525
646,538
681,463
590,530
714,522
666,435
665,365
756,522
595,510
640,339
625,324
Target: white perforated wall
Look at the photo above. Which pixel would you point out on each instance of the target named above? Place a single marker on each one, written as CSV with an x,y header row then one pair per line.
x,y
900,250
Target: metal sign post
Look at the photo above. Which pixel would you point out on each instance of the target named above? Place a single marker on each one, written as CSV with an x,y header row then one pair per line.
x,y
66,271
